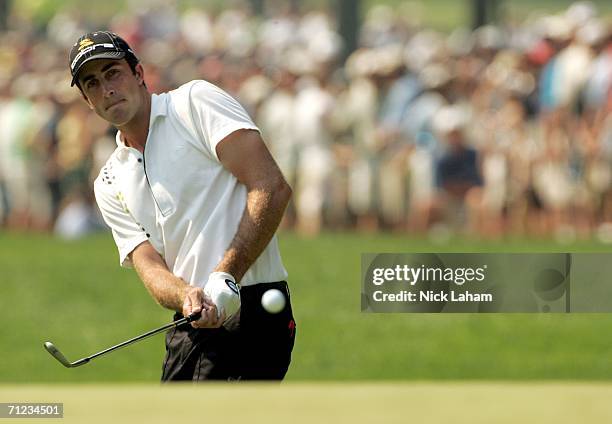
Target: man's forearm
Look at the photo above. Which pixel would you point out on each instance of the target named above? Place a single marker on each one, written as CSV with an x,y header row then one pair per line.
x,y
167,289
262,215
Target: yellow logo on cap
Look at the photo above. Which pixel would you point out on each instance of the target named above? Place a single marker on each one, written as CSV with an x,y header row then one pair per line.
x,y
84,43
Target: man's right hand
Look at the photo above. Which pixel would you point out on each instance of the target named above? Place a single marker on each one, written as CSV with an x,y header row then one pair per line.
x,y
196,301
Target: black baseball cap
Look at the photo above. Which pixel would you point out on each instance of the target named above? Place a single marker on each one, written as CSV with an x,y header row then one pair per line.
x,y
97,45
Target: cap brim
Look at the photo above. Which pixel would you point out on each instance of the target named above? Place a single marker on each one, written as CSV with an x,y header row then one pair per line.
x,y
106,55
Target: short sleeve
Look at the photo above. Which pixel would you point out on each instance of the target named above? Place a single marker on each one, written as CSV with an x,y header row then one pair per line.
x,y
126,232
216,114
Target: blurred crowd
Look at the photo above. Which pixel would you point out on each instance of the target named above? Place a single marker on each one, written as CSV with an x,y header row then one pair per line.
x,y
503,130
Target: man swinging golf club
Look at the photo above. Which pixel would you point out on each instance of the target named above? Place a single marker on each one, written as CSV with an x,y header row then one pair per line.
x,y
193,199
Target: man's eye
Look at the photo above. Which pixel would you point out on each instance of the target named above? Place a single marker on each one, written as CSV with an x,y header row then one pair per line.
x,y
91,83
113,72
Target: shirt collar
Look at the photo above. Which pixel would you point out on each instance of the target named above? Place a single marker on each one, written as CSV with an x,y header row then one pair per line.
x,y
159,107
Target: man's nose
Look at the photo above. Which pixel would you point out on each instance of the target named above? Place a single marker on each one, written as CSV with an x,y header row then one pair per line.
x,y
108,90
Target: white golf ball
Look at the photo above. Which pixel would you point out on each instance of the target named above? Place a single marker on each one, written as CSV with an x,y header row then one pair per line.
x,y
273,301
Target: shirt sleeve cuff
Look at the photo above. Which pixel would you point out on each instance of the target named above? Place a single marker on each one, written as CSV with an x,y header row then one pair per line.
x,y
227,130
127,248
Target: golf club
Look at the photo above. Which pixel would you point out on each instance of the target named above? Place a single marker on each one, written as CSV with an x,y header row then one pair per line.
x,y
54,351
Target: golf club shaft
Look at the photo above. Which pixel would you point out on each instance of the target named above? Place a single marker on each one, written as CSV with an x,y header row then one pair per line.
x,y
176,323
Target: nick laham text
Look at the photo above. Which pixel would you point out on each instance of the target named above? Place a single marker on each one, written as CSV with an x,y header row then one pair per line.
x,y
431,296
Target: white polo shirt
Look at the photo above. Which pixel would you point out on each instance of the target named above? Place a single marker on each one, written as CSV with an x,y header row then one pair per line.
x,y
177,195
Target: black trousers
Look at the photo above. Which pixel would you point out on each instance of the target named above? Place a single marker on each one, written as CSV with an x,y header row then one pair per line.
x,y
252,345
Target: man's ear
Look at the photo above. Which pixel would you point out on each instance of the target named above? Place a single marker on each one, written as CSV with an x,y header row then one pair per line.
x,y
139,72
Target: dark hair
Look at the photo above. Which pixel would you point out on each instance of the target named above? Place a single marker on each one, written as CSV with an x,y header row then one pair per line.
x,y
132,61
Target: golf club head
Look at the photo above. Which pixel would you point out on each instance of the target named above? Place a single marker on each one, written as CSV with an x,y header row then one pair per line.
x,y
57,354
61,358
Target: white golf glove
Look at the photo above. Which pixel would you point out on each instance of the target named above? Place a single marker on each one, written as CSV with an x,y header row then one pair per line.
x,y
224,292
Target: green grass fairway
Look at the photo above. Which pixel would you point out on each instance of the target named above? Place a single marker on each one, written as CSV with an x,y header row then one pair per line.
x,y
387,403
75,295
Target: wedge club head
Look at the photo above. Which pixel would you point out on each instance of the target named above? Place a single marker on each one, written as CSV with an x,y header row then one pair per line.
x,y
61,358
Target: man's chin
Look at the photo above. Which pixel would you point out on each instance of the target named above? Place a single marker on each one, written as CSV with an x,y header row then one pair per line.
x,y
118,120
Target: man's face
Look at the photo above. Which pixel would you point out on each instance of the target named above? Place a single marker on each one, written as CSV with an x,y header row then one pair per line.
x,y
112,90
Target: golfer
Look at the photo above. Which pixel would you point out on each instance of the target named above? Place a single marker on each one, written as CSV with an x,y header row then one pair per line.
x,y
193,199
